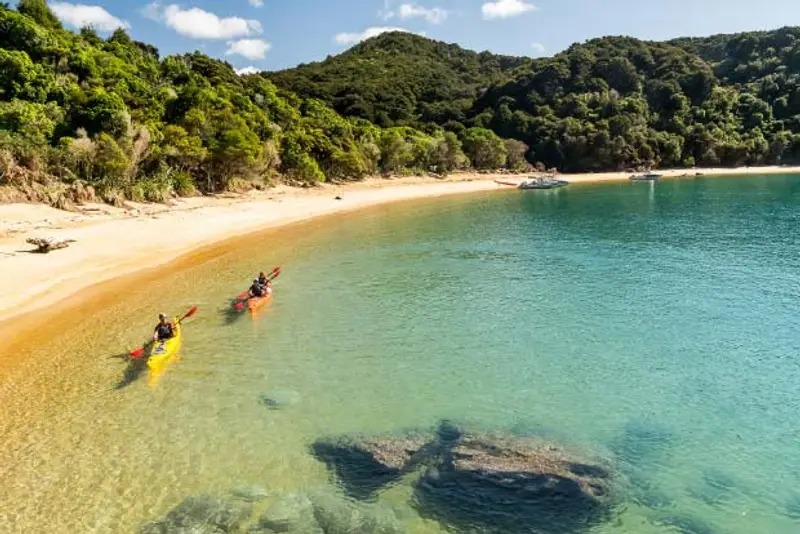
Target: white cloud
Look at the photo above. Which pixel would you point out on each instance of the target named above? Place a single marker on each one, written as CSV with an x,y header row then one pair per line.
x,y
151,11
503,9
80,15
247,70
200,24
353,38
249,48
257,3
538,48
434,15
386,13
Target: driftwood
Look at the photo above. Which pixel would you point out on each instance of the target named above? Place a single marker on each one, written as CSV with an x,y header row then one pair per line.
x,y
46,244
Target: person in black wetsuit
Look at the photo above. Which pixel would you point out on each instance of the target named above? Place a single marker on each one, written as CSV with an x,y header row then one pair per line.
x,y
164,329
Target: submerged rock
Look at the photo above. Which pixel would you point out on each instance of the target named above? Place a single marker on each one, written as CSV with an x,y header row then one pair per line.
x,y
793,507
514,485
367,464
643,444
684,524
201,515
293,514
279,399
716,488
324,513
502,483
335,515
250,493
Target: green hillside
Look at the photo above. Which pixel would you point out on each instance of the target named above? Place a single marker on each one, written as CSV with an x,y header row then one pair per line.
x,y
83,116
607,104
400,78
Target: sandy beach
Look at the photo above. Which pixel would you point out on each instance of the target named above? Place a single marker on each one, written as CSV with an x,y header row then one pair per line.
x,y
113,242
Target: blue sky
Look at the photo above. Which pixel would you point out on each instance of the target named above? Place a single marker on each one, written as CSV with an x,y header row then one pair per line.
x,y
275,34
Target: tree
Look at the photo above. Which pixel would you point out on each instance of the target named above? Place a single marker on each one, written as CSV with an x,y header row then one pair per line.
x,y
485,149
40,12
103,112
22,78
516,155
111,163
449,154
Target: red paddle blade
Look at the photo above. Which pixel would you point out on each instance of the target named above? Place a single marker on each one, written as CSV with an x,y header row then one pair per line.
x,y
137,353
239,306
242,296
190,313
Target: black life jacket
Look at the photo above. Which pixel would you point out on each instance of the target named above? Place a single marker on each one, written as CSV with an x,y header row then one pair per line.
x,y
257,290
165,331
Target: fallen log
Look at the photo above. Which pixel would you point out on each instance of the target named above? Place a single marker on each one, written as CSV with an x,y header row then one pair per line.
x,y
46,244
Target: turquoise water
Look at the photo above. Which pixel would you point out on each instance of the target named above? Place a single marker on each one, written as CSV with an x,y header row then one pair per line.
x,y
655,324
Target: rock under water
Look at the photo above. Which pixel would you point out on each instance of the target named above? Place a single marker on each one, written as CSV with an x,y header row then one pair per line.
x,y
279,399
716,488
643,444
250,493
367,464
201,515
793,507
514,485
684,524
293,513
502,483
325,513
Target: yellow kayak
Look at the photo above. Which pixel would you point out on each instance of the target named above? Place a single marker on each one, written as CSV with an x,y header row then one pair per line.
x,y
163,353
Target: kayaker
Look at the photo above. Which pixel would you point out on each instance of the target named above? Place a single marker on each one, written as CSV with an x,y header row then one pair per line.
x,y
164,329
256,290
262,279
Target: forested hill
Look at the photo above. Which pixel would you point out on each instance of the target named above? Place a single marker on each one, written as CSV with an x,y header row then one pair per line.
x,y
400,78
609,103
84,116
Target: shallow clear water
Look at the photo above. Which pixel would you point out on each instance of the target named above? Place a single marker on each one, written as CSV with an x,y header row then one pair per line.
x,y
656,324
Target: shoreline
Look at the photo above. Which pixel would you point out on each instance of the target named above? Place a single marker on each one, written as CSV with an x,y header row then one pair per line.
x,y
114,242
111,243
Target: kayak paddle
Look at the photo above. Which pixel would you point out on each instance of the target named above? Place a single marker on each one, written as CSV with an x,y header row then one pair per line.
x,y
244,297
137,353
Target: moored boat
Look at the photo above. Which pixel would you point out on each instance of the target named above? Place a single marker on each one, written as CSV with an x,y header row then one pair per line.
x,y
548,182
650,176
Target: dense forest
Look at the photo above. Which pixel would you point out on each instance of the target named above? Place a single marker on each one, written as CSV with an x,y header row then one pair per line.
x,y
84,116
607,104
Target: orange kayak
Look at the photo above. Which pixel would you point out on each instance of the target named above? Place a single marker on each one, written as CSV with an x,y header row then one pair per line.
x,y
256,303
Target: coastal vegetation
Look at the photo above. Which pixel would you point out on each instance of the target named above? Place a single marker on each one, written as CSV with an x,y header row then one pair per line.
x,y
83,116
607,104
